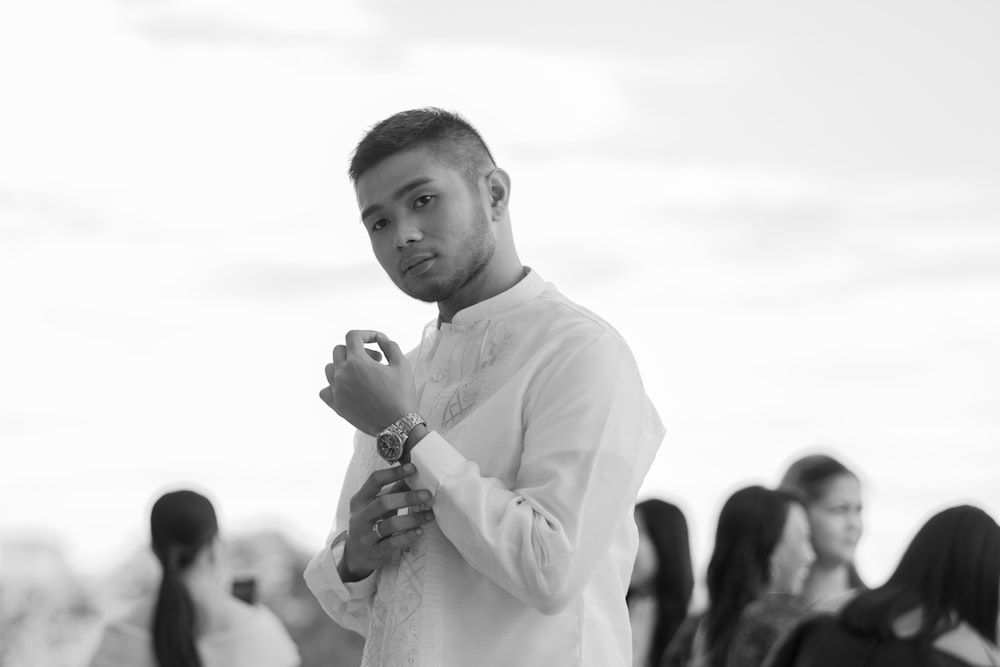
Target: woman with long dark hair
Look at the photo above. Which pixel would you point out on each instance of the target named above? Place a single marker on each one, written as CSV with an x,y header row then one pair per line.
x,y
832,493
192,621
940,608
761,556
662,579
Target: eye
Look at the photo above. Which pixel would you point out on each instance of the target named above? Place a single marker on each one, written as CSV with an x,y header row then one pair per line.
x,y
422,200
379,224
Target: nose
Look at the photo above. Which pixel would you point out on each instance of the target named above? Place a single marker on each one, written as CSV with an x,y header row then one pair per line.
x,y
854,521
407,232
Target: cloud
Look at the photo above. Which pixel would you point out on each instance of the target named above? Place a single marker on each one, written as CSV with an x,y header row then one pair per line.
x,y
277,281
296,23
23,423
29,215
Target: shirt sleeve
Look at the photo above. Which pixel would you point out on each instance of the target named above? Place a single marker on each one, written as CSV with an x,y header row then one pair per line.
x,y
347,603
590,436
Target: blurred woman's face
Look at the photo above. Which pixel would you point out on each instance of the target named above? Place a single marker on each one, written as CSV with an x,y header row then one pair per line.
x,y
835,520
794,554
646,561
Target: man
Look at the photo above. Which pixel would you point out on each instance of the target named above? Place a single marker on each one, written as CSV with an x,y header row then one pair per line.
x,y
520,425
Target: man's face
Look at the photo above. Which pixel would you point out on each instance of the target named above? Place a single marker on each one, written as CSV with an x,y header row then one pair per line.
x,y
428,226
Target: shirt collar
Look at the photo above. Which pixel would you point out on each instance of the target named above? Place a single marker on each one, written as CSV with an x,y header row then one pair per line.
x,y
526,289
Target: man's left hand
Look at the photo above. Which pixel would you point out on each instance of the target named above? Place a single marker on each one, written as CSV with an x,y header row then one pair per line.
x,y
369,394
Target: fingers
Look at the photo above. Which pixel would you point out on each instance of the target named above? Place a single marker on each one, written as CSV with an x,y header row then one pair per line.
x,y
395,487
387,504
390,545
392,352
380,478
377,503
356,339
339,357
326,394
339,354
403,523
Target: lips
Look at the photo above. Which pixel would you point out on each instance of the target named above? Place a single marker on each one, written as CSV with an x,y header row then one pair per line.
x,y
413,261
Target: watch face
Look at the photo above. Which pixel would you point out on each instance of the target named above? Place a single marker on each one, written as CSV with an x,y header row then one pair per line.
x,y
390,447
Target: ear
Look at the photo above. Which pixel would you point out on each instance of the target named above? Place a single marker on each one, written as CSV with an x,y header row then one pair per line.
x,y
498,189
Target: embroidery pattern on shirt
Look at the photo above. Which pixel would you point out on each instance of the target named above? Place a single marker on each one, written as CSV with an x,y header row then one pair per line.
x,y
393,637
496,354
394,632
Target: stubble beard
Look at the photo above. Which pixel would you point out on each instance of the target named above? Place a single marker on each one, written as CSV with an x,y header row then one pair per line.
x,y
477,252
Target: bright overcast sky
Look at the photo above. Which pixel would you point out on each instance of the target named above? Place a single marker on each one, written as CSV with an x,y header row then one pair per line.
x,y
790,212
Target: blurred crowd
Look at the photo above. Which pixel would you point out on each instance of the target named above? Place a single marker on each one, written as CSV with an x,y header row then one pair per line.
x,y
783,589
53,616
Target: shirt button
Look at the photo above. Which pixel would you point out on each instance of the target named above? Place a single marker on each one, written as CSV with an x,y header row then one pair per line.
x,y
437,377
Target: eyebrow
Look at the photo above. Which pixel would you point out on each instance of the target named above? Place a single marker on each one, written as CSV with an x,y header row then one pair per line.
x,y
400,192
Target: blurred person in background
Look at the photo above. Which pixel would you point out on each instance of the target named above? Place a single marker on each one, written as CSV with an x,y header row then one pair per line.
x,y
662,580
761,557
940,608
832,493
192,621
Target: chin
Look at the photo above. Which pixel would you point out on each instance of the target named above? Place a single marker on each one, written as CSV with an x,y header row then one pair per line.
x,y
846,556
428,293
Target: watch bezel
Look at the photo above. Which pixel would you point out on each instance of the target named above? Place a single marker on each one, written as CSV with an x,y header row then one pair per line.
x,y
390,445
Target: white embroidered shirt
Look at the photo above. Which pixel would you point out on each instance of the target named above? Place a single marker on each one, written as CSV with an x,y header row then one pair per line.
x,y
541,434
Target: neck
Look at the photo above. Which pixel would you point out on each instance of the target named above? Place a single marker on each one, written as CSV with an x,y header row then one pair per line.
x,y
492,281
201,583
826,580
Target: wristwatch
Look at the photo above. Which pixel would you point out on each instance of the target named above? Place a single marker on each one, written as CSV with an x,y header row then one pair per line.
x,y
390,440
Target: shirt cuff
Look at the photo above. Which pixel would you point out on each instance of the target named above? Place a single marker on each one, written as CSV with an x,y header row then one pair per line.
x,y
434,459
346,590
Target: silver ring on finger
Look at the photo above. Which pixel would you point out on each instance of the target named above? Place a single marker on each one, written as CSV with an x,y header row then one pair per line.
x,y
375,529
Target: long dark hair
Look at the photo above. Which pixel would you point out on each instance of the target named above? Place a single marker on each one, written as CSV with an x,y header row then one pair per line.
x,y
674,582
750,527
950,569
810,477
182,524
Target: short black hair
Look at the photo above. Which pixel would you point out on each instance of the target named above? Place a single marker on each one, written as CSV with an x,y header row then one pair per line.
x,y
464,148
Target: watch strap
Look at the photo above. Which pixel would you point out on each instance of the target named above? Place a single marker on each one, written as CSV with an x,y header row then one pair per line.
x,y
405,424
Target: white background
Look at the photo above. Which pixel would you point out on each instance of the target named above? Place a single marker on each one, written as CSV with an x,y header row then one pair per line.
x,y
792,214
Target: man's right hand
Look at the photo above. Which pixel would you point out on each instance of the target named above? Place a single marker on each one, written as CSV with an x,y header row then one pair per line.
x,y
364,550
